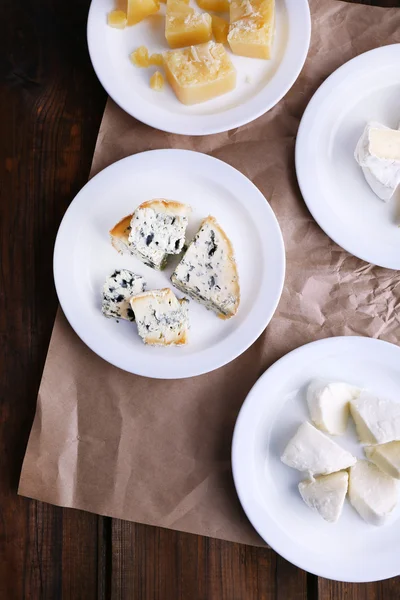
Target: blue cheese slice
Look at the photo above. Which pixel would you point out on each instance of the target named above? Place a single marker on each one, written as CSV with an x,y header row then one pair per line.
x,y
162,319
208,272
118,289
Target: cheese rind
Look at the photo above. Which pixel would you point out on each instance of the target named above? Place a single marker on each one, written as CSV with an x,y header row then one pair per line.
x,y
386,457
252,27
184,26
118,289
326,494
208,272
378,154
377,420
372,493
311,450
328,403
162,319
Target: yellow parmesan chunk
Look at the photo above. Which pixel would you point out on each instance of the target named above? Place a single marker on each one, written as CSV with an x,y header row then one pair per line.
x,y
156,60
137,10
157,81
117,19
199,73
140,57
220,29
215,5
252,26
184,26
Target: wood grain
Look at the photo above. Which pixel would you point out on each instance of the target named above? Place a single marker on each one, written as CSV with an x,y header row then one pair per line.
x,y
50,109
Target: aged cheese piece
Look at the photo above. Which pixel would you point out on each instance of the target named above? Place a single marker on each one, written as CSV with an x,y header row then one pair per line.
x,y
220,29
214,5
140,57
312,451
137,10
208,273
117,19
157,81
184,26
118,289
156,60
372,493
162,319
199,73
252,27
328,403
386,457
377,420
378,153
326,494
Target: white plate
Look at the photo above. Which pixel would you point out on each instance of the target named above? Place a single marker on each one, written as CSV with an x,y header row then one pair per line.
x,y
350,550
83,257
260,84
332,183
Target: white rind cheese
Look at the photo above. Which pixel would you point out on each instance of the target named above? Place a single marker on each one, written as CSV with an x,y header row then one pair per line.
x,y
208,273
328,403
372,493
312,451
161,319
386,457
118,289
377,420
326,494
378,153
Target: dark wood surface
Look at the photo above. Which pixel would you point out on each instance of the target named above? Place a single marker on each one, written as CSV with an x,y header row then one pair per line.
x,y
50,110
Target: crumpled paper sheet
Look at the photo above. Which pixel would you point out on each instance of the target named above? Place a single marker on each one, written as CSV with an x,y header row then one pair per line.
x,y
158,452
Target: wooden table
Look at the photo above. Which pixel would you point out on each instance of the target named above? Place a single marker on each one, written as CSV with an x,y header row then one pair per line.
x,y
50,109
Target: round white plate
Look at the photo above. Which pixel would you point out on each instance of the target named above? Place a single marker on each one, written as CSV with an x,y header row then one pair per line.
x,y
260,84
350,550
83,257
332,183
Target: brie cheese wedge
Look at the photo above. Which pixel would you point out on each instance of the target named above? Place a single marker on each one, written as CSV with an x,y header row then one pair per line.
x,y
326,494
386,457
378,153
329,404
377,420
312,451
372,493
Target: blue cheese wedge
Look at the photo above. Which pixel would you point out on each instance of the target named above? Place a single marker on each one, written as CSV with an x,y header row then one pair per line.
x,y
326,494
208,272
377,419
312,451
118,289
119,235
161,319
372,493
386,457
328,403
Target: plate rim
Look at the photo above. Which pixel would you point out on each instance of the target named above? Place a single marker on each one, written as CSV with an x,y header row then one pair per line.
x,y
188,126
307,121
237,453
216,362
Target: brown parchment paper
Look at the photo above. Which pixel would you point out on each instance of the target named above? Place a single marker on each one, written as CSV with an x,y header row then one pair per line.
x,y
158,452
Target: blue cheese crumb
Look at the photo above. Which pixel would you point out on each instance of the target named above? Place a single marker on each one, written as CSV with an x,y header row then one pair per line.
x,y
118,289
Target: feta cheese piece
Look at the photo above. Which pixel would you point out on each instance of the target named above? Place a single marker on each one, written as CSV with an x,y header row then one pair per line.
x,y
386,457
377,420
252,27
326,494
312,451
328,403
118,289
372,493
378,153
184,26
208,273
162,319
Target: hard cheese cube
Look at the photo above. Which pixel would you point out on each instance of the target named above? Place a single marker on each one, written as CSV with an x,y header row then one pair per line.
x,y
185,27
199,73
215,5
137,10
117,19
252,26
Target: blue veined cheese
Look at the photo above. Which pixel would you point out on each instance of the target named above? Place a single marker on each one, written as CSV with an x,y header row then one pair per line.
x,y
208,272
161,319
118,289
326,494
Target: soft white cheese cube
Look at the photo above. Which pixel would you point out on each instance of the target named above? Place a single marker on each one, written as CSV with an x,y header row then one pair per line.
x,y
386,457
312,451
377,420
328,403
372,493
326,494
